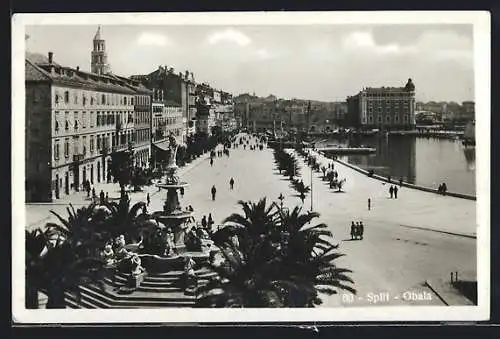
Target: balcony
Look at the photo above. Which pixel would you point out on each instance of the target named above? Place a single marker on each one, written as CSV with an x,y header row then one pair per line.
x,y
77,157
122,147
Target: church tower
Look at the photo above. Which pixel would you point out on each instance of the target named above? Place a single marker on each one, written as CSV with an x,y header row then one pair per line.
x,y
99,58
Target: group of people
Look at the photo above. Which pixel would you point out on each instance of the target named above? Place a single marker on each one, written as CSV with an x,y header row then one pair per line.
x,y
357,230
213,190
393,191
442,189
207,223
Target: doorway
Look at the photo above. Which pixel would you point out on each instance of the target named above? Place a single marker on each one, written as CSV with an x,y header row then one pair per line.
x,y
57,186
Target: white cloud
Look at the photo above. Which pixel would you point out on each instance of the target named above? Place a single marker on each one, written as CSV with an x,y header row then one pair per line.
x,y
363,41
155,39
264,54
231,35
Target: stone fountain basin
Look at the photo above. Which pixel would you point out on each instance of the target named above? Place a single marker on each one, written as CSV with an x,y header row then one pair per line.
x,y
158,264
160,215
167,186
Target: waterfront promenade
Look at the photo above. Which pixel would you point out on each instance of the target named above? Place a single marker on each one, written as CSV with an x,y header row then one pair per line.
x,y
404,242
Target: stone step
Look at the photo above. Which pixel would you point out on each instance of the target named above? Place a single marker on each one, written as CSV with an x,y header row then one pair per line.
x,y
85,301
138,298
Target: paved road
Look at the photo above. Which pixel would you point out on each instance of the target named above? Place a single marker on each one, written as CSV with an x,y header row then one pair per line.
x,y
392,258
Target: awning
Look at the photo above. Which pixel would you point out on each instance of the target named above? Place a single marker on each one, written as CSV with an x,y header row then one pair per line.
x,y
162,145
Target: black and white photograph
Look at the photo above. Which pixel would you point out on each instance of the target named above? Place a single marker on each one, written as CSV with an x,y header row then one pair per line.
x,y
308,166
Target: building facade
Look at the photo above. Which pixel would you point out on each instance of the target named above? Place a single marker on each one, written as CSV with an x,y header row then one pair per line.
x,y
177,87
72,118
383,107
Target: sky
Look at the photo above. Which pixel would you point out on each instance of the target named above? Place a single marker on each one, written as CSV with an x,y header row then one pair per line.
x,y
316,62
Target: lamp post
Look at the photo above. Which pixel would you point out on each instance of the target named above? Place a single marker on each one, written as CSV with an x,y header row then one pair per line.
x,y
311,189
281,198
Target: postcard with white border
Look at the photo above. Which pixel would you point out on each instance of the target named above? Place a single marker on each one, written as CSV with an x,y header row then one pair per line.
x,y
290,166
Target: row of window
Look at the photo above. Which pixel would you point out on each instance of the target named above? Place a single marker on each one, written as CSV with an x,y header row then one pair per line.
x,y
84,120
78,97
386,94
142,117
96,143
387,119
388,109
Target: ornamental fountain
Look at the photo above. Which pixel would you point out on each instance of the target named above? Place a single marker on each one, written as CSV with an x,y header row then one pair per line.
x,y
173,216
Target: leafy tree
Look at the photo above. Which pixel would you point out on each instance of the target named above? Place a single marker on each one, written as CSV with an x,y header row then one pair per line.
x,y
122,167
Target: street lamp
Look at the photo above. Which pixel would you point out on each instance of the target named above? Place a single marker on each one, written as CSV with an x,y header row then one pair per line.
x,y
311,188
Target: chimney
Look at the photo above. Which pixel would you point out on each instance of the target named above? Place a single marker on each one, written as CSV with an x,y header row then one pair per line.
x,y
50,57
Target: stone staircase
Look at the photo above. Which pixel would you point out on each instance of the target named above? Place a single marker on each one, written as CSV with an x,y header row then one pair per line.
x,y
156,291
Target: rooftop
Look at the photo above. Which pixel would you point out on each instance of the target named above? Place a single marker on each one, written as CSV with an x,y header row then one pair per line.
x,y
38,68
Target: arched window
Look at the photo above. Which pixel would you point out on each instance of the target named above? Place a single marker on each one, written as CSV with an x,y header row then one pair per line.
x,y
66,125
57,126
103,99
66,97
76,124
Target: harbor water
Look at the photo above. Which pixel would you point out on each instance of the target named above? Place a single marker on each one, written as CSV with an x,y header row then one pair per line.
x,y
417,160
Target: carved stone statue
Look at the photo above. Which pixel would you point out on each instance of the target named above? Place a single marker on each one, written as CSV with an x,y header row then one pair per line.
x,y
108,255
137,269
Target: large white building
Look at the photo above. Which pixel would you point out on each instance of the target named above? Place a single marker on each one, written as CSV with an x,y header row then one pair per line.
x,y
74,120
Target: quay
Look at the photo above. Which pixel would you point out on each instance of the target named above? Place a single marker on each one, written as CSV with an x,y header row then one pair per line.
x,y
346,150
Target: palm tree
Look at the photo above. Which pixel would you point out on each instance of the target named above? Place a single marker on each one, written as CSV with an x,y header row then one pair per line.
x,y
55,265
125,219
36,247
80,230
279,262
308,251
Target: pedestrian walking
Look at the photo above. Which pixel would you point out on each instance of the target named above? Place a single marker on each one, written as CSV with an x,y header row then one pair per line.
x,y
400,182
182,192
395,192
204,221
211,161
444,188
391,191
369,204
101,197
94,198
353,230
213,191
231,183
148,199
107,197
361,229
210,221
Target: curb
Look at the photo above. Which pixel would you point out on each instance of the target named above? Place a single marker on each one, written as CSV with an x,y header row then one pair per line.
x,y
447,297
426,283
404,184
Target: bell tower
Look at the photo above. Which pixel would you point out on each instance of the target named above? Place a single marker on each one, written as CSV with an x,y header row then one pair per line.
x,y
99,57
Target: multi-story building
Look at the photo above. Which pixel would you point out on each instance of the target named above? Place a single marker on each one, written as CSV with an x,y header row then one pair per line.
x,y
383,107
74,119
178,87
205,115
174,120
159,120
